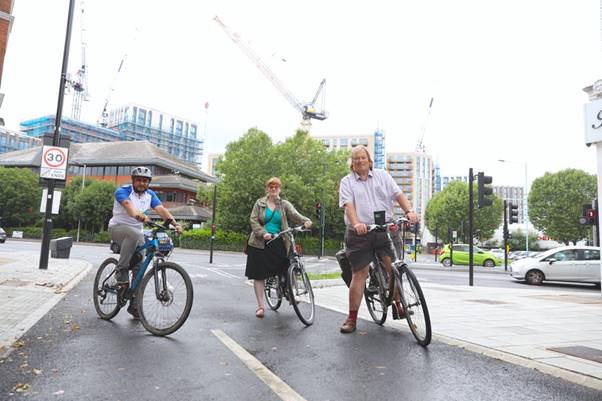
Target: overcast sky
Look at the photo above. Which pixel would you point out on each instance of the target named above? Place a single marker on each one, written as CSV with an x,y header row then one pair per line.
x,y
506,77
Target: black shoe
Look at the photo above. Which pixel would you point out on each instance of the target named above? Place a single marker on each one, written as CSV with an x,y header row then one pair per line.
x,y
133,310
122,276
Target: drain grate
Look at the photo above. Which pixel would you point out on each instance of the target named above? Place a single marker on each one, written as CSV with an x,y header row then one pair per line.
x,y
579,351
488,301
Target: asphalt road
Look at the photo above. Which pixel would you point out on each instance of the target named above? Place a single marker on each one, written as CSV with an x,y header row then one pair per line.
x,y
78,356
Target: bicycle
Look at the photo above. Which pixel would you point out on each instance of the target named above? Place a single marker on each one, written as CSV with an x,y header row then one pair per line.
x,y
297,289
162,306
380,291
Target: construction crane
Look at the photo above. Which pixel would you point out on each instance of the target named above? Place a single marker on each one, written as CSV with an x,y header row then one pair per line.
x,y
80,83
420,145
104,115
308,110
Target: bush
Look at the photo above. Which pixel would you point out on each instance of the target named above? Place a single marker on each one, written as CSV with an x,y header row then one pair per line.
x,y
234,241
103,237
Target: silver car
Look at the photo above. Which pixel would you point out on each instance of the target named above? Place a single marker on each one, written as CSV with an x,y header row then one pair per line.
x,y
566,263
2,236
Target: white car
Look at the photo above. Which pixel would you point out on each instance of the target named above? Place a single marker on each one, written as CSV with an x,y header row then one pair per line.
x,y
566,263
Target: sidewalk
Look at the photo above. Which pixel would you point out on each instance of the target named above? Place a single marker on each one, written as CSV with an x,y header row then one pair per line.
x,y
555,332
28,293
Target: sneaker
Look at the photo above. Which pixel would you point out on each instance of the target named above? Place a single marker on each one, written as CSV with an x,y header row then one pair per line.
x,y
133,310
122,276
348,326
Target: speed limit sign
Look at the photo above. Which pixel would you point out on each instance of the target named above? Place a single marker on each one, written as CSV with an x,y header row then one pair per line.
x,y
54,162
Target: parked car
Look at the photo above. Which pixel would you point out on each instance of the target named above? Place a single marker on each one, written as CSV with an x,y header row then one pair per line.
x,y
497,252
460,255
2,235
566,263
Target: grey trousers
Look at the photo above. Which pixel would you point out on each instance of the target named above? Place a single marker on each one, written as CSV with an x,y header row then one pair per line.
x,y
128,239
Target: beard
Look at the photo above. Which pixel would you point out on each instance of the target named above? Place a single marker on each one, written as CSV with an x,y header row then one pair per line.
x,y
140,189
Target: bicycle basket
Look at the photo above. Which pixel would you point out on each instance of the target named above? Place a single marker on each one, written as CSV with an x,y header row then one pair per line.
x,y
165,243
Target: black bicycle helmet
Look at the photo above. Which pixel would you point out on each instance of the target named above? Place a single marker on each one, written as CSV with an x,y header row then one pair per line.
x,y
142,171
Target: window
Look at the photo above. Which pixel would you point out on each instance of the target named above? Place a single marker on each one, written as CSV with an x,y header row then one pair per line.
x,y
141,116
170,197
135,114
590,254
193,131
562,256
149,120
179,126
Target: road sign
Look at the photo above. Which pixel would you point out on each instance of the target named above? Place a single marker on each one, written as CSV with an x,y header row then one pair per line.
x,y
54,162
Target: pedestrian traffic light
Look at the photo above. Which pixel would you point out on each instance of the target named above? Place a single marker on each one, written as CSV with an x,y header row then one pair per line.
x,y
319,212
485,190
512,213
590,215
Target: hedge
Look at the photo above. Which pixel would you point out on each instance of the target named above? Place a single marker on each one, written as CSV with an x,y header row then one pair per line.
x,y
234,241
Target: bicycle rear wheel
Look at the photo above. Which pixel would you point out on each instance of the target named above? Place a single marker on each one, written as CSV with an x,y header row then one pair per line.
x,y
412,298
273,293
105,290
300,294
165,302
375,295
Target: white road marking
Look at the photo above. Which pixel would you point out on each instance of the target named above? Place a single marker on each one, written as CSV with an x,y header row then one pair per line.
x,y
222,273
278,386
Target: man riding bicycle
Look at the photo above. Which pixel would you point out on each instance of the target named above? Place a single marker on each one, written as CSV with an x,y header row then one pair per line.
x,y
365,193
132,202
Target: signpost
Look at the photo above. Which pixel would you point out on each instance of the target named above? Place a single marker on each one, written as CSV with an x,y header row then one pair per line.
x,y
54,162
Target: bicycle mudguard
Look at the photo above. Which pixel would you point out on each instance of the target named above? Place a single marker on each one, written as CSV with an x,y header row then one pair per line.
x,y
345,267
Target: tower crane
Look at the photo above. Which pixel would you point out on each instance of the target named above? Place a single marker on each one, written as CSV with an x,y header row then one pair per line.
x,y
103,121
308,110
420,145
80,83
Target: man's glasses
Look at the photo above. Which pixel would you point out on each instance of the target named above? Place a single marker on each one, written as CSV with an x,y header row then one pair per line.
x,y
273,186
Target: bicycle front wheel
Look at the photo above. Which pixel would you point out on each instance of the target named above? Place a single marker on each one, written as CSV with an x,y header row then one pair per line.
x,y
300,294
412,298
273,294
106,290
375,295
165,298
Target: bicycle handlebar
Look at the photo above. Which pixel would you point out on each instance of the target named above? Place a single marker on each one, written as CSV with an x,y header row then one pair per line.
x,y
299,229
159,227
398,223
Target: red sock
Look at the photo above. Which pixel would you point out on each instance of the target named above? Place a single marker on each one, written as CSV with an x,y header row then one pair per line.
x,y
352,315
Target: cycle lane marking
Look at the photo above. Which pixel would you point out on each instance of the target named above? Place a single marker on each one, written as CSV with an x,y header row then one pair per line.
x,y
221,272
276,384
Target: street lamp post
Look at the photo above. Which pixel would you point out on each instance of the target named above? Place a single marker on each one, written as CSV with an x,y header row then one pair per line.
x,y
525,203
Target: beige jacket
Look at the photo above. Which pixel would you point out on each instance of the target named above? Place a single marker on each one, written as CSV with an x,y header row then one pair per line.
x,y
287,211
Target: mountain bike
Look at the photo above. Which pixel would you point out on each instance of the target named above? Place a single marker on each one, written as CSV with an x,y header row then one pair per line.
x,y
163,295
293,284
380,291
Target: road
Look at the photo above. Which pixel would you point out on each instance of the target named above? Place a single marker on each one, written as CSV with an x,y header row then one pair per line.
x,y
78,356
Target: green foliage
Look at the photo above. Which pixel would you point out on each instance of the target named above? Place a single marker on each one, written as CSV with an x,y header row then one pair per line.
x,y
518,242
234,241
103,237
20,196
308,172
556,201
95,204
204,195
68,216
450,207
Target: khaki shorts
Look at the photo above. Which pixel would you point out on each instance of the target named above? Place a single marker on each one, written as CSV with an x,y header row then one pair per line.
x,y
360,249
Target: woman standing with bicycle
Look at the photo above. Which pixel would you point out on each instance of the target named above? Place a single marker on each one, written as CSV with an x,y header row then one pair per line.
x,y
269,216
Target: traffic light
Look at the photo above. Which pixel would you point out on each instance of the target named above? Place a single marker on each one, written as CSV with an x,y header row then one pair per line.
x,y
512,213
318,212
590,215
485,190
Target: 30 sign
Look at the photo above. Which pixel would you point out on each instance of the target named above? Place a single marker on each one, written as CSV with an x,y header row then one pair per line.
x,y
54,162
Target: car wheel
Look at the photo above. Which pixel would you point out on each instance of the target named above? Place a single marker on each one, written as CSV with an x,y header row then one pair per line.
x,y
489,263
115,248
446,262
534,277
2,241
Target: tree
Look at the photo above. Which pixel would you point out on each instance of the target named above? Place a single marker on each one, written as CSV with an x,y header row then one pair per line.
x,y
204,195
556,201
309,174
450,207
20,196
68,217
95,205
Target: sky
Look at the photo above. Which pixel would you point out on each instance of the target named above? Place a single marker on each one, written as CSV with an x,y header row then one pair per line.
x,y
507,78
